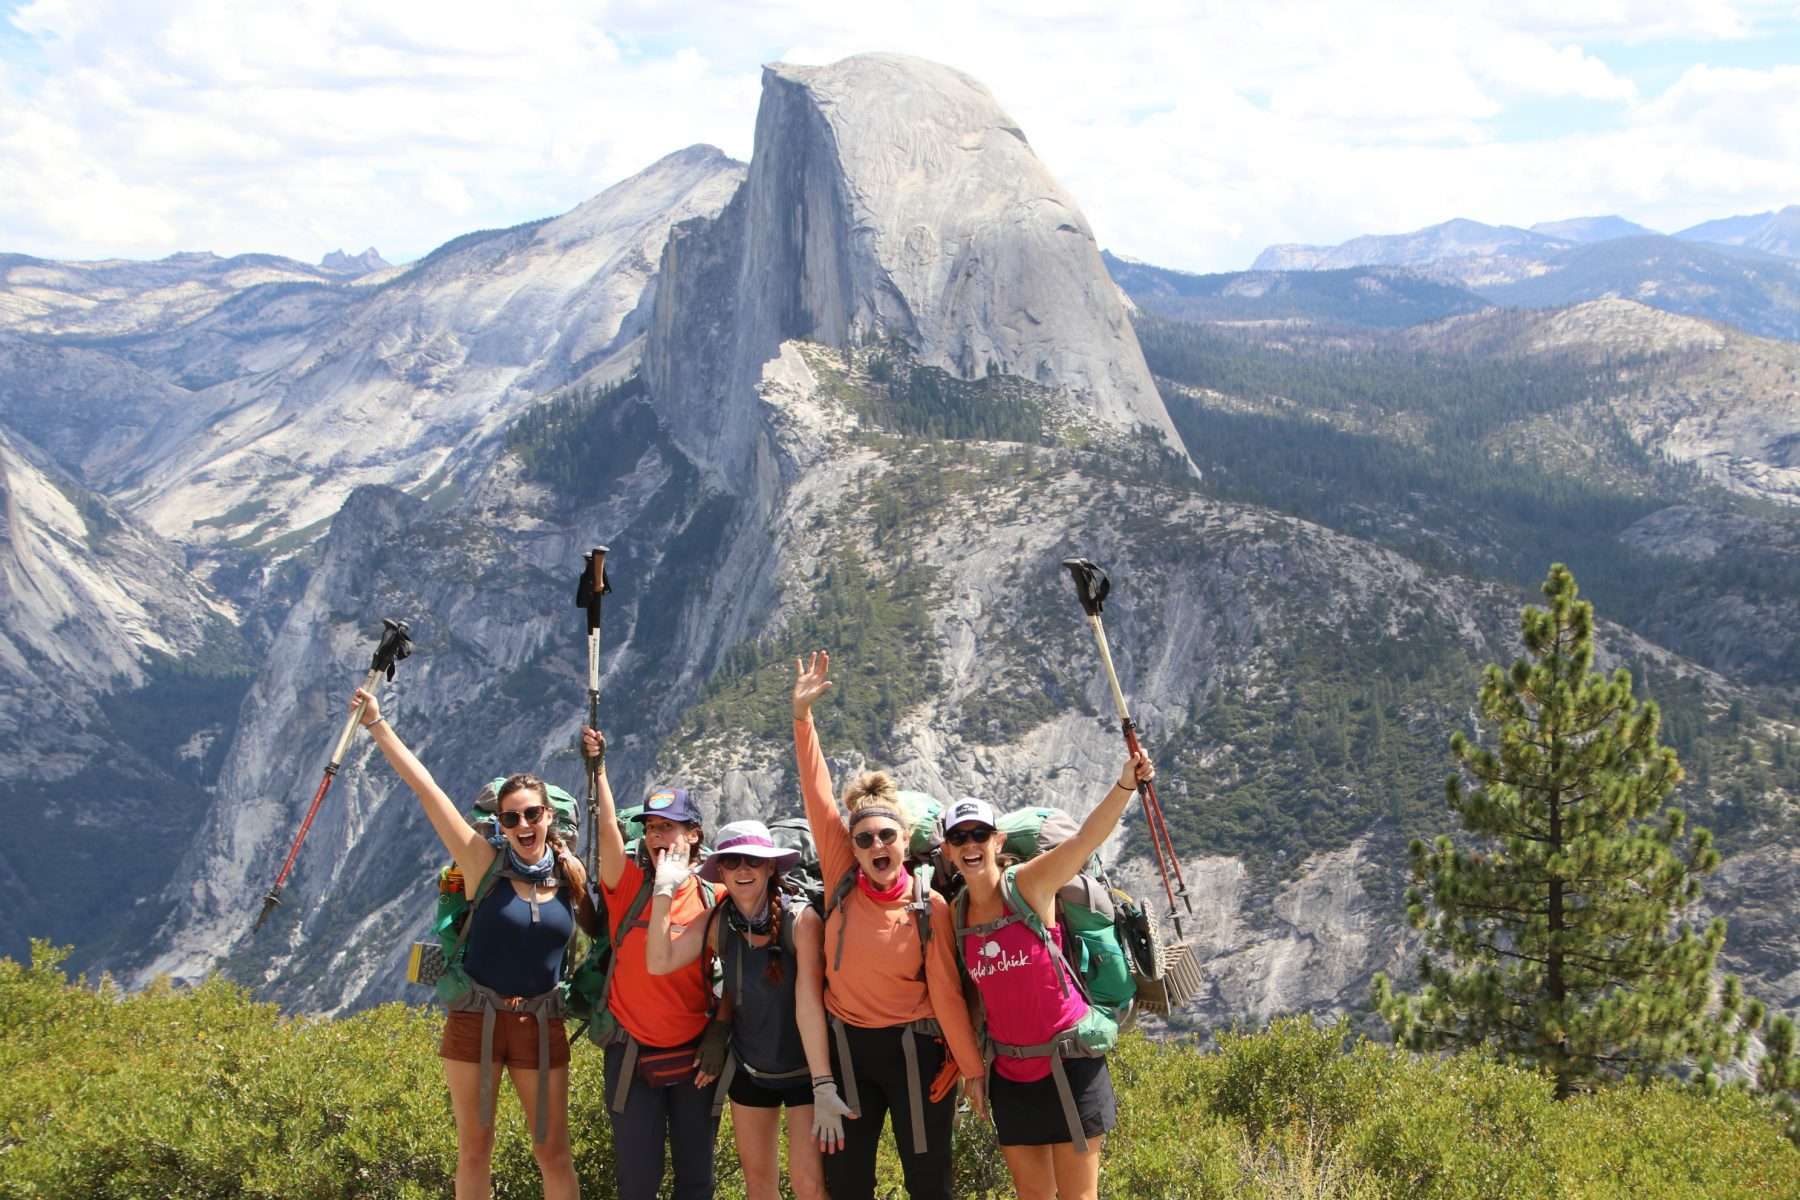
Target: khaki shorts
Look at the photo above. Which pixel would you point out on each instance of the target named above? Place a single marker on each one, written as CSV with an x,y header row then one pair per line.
x,y
515,1040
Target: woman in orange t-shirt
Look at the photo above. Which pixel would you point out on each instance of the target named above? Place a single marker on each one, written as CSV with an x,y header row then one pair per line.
x,y
655,1085
893,997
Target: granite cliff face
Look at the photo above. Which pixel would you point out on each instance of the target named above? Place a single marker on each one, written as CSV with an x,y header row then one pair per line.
x,y
402,388
889,199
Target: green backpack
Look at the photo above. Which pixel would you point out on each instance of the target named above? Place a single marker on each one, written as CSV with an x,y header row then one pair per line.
x,y
924,838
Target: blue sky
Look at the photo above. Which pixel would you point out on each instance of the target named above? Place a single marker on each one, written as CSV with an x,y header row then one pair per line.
x,y
1192,134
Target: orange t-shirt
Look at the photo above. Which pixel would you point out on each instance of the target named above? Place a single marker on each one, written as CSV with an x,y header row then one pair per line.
x,y
657,1010
880,982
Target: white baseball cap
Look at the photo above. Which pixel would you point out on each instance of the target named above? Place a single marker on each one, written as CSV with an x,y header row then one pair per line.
x,y
970,810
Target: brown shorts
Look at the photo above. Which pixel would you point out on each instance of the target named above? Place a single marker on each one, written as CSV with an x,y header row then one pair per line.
x,y
515,1040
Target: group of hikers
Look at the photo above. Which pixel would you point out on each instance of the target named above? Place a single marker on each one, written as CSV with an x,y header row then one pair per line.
x,y
842,1018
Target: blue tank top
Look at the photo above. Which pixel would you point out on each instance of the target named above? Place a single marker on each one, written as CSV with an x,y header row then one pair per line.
x,y
764,1034
510,953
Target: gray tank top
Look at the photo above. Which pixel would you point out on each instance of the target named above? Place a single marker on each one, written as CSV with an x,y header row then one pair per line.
x,y
764,1034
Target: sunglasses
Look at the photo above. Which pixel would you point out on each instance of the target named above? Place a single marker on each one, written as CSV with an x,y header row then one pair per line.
x,y
962,837
868,837
731,862
531,816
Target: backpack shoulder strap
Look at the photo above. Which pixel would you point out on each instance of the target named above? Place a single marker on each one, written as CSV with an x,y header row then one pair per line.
x,y
482,888
959,922
1021,911
1014,900
790,919
921,902
633,911
845,883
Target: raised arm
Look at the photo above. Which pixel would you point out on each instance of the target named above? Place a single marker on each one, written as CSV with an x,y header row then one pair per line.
x,y
830,834
1039,879
664,955
606,814
470,850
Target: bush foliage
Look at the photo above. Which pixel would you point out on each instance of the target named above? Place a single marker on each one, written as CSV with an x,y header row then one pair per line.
x,y
203,1093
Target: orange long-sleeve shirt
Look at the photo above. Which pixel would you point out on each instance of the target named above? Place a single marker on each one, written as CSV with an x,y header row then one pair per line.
x,y
879,984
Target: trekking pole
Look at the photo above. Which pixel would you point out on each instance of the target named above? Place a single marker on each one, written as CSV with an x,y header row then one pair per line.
x,y
594,584
396,644
1091,587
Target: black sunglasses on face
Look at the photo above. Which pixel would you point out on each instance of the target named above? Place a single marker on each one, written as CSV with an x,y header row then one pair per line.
x,y
867,837
962,837
731,862
531,816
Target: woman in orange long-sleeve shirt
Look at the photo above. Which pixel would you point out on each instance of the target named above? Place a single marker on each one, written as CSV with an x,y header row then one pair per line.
x,y
894,999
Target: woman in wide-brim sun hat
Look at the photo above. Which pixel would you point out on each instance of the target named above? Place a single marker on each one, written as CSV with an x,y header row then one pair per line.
x,y
768,939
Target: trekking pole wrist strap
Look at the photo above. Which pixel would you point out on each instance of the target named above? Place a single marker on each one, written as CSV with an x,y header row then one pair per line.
x,y
1127,790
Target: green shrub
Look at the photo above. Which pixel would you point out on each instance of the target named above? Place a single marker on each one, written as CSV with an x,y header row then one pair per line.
x,y
204,1094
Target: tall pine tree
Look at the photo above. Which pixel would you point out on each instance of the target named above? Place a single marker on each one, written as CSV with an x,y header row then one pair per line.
x,y
1550,934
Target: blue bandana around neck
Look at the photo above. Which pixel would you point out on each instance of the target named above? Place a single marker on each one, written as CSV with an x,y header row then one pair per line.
x,y
542,873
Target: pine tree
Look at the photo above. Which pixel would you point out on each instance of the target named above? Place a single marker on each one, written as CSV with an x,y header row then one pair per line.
x,y
1550,936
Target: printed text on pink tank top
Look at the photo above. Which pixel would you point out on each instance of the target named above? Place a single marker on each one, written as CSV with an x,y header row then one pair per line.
x,y
990,959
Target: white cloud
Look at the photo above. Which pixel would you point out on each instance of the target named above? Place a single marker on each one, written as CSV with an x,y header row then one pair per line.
x,y
1193,135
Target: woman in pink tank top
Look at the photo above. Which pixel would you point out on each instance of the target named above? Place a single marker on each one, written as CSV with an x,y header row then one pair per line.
x,y
1050,1129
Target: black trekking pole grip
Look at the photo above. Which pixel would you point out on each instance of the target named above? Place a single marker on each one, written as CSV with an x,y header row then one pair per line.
x,y
589,593
1091,588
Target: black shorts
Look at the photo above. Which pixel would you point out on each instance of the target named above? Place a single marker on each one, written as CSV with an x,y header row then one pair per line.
x,y
1031,1114
751,1092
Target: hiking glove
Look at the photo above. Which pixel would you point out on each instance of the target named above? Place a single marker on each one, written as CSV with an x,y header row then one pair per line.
x,y
671,871
829,1112
713,1045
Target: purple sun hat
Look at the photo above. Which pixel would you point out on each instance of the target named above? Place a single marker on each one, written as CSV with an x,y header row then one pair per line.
x,y
751,839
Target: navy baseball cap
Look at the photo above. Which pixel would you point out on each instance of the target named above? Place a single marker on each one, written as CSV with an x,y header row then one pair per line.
x,y
672,804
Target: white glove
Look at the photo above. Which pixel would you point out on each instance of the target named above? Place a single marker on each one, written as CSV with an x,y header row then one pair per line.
x,y
829,1112
671,871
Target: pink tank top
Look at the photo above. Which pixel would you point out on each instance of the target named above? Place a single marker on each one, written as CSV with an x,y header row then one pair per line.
x,y
1027,996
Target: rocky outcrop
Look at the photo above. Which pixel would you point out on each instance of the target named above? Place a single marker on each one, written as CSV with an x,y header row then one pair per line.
x,y
888,198
354,264
87,597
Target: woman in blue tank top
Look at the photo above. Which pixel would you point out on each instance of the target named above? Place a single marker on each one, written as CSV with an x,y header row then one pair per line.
x,y
769,945
517,937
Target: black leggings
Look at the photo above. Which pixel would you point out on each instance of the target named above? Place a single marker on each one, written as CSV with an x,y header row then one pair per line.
x,y
881,1084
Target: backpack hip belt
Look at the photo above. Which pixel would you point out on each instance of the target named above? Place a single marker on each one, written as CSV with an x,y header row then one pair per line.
x,y
733,1065
545,1008
1064,1045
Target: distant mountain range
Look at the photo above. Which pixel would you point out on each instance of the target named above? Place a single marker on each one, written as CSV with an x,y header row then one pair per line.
x,y
1743,271
1771,232
1369,297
